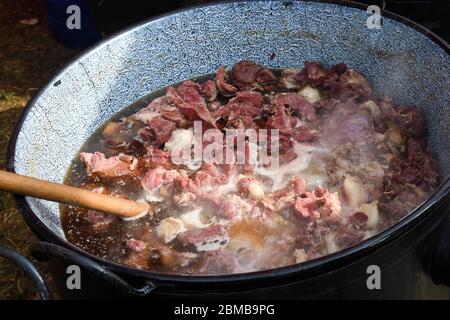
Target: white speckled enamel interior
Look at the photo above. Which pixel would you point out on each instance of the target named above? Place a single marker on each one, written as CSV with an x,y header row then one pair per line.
x,y
397,59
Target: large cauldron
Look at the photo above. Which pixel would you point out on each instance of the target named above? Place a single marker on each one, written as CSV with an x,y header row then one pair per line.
x,y
402,60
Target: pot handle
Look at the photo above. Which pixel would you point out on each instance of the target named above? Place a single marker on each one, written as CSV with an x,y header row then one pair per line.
x,y
29,269
437,255
45,251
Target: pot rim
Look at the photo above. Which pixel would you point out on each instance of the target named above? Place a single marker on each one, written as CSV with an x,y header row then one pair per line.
x,y
303,270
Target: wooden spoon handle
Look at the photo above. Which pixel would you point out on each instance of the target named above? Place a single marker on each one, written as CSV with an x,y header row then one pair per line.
x,y
62,193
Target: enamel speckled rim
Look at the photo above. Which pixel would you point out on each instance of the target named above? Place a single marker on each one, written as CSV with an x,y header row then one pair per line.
x,y
304,270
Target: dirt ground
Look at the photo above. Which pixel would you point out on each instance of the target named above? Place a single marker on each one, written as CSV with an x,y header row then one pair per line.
x,y
28,57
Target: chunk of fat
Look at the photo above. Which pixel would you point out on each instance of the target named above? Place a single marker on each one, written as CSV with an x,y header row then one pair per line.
x,y
331,243
169,228
300,255
180,139
373,108
354,191
394,135
288,78
256,191
193,218
110,128
310,94
371,211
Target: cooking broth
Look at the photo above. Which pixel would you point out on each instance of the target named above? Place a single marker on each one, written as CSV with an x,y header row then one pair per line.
x,y
350,165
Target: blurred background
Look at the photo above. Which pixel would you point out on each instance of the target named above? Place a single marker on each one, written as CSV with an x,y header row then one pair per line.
x,y
35,43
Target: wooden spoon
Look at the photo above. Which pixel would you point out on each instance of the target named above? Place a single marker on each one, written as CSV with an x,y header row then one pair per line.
x,y
62,193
